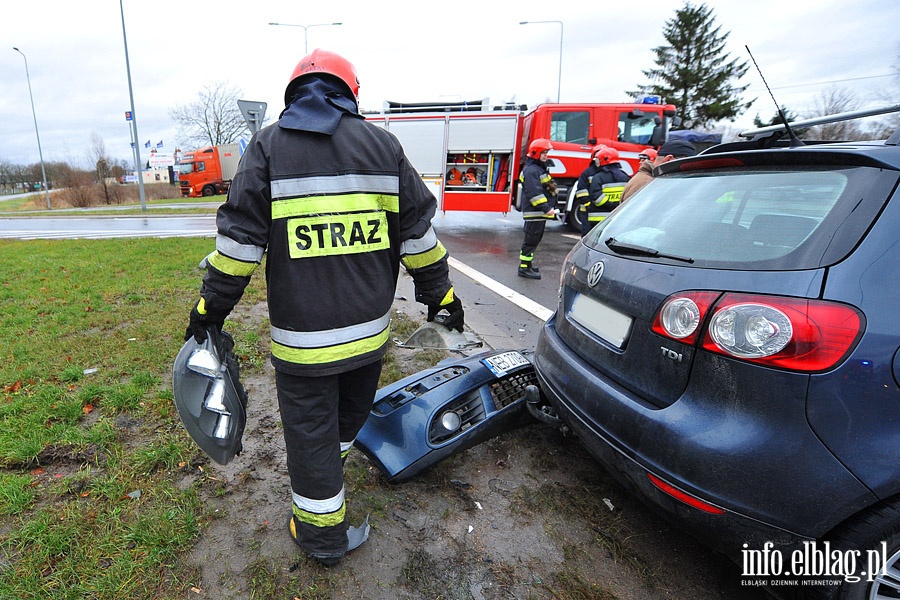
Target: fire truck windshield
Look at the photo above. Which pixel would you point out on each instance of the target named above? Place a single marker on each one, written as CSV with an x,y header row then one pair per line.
x,y
637,130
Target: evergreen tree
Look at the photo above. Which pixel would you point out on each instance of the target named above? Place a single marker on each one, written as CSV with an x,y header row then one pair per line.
x,y
776,118
791,117
694,71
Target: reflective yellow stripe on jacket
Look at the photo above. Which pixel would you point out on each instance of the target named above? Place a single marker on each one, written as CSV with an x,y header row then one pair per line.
x,y
232,258
321,347
609,199
422,252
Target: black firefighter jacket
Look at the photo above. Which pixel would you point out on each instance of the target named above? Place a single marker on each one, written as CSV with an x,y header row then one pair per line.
x,y
335,216
537,198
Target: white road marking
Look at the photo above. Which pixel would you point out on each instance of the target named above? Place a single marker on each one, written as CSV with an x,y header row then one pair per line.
x,y
541,312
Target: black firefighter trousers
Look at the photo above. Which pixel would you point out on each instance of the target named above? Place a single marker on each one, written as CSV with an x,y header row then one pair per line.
x,y
534,233
321,417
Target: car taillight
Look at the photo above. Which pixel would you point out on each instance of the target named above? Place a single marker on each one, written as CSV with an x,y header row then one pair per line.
x,y
682,314
788,333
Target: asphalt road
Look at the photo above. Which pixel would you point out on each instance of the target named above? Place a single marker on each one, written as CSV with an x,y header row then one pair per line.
x,y
504,309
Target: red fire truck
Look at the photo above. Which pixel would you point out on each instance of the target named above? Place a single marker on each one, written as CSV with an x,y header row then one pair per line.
x,y
470,153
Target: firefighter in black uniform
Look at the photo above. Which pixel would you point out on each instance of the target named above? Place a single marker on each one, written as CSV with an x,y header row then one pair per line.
x,y
606,188
336,207
538,202
583,184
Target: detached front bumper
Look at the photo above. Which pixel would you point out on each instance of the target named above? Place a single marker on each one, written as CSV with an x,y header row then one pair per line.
x,y
422,419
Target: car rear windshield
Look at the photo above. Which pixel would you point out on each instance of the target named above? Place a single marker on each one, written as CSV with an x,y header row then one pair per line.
x,y
755,219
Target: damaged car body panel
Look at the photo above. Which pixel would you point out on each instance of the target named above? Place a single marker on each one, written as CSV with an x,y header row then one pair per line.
x,y
459,403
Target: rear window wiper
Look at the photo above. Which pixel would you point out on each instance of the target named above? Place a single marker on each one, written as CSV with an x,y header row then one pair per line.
x,y
635,250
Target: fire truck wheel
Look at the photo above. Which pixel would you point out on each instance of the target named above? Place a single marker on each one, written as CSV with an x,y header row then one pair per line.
x,y
573,219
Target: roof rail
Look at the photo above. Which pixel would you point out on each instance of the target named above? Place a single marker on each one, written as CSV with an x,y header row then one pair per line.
x,y
836,118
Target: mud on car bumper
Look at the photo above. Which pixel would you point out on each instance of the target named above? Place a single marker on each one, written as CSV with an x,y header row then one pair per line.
x,y
726,532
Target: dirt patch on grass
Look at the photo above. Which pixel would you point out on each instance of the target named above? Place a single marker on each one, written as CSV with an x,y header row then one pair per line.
x,y
528,514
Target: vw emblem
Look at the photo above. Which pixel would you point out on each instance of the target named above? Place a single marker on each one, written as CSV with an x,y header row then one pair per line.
x,y
595,273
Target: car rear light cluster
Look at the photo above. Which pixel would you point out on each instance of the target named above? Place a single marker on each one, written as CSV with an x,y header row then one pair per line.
x,y
789,333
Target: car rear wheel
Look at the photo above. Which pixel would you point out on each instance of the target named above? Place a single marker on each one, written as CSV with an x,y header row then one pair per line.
x,y
863,536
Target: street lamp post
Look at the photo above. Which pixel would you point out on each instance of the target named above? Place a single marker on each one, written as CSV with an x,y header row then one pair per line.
x,y
38,135
559,80
305,27
134,129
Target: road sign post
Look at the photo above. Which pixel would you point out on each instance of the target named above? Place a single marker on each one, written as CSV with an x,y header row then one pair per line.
x,y
254,114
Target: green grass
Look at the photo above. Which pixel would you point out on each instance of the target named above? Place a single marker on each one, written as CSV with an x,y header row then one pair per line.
x,y
88,503
91,448
36,205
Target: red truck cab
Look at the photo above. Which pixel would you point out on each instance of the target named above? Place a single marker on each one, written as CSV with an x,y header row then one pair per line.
x,y
208,171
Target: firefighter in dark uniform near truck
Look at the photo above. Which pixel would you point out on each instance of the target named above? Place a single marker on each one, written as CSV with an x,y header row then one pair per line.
x,y
606,188
583,185
335,206
538,203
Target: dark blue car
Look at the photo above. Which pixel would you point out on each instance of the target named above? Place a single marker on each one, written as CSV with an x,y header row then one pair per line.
x,y
726,343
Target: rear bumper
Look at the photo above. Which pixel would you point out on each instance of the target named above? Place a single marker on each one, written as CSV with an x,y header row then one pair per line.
x,y
728,470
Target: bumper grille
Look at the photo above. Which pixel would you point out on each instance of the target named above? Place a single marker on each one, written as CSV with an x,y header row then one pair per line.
x,y
506,391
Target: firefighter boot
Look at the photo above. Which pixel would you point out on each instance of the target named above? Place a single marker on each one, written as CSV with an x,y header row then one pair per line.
x,y
325,561
528,272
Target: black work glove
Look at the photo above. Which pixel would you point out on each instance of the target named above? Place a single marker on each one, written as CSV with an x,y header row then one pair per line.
x,y
455,318
200,321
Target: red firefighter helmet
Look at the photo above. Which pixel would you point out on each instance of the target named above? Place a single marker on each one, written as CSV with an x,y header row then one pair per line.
x,y
648,154
606,155
538,146
329,63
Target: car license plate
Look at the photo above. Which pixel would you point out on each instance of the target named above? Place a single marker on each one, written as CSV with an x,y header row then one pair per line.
x,y
605,322
501,364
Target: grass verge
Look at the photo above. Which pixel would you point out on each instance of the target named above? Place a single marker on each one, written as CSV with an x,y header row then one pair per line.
x,y
91,449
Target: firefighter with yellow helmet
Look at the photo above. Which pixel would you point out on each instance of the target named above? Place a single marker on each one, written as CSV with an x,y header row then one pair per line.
x,y
335,206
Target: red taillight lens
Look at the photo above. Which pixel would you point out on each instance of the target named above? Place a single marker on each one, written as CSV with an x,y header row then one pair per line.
x,y
682,314
788,333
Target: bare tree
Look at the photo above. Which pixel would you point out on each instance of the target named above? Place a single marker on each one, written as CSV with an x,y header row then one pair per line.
x,y
103,171
888,124
829,102
79,186
214,118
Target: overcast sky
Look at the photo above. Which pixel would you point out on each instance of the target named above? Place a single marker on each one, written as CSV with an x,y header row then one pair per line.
x,y
408,51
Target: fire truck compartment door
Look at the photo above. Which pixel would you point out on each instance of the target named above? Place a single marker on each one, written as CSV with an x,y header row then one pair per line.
x,y
423,143
482,134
